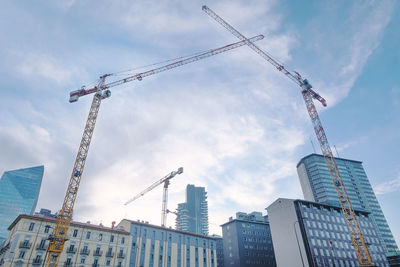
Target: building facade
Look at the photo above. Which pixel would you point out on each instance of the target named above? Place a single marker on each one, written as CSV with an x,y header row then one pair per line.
x,y
317,186
247,241
220,250
88,245
316,235
193,214
19,192
165,247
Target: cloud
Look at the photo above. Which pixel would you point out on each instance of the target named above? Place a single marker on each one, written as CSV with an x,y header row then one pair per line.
x,y
388,186
344,40
44,66
232,121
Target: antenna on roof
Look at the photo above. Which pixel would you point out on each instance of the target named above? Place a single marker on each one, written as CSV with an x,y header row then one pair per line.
x,y
312,143
337,154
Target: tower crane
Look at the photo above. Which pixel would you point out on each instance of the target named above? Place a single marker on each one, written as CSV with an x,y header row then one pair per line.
x,y
357,237
166,182
101,91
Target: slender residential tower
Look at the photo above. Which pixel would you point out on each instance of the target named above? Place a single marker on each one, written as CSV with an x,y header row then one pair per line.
x,y
317,186
193,214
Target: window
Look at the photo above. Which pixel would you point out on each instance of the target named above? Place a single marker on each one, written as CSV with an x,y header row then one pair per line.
x,y
100,237
112,238
75,234
108,262
31,226
83,260
87,235
46,229
21,254
123,240
42,243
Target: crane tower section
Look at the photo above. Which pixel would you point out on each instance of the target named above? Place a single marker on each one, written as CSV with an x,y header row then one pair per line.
x,y
357,237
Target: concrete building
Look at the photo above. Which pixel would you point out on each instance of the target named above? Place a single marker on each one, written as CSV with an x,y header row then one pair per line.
x,y
88,245
317,186
310,234
193,214
220,250
247,241
19,192
165,247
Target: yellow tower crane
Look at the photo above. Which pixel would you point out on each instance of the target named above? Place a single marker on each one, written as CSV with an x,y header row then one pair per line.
x,y
357,237
101,91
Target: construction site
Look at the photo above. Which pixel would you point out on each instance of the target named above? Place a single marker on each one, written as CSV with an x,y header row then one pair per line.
x,y
337,221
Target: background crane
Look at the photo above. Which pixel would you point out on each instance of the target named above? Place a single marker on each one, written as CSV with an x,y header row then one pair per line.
x,y
101,92
164,180
358,240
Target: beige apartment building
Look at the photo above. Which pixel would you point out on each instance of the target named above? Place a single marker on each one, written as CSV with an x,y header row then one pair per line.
x,y
88,245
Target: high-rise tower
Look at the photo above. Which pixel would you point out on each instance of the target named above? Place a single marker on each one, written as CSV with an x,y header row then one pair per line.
x,y
193,214
317,186
19,192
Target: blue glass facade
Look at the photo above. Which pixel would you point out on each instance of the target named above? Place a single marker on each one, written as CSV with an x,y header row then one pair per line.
x,y
193,214
247,241
317,186
19,192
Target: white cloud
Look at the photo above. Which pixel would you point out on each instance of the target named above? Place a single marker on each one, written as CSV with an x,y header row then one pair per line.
x,y
45,66
232,122
388,186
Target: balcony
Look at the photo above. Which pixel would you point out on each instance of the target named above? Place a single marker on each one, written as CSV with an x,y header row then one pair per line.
x,y
95,265
109,254
37,262
71,250
121,255
68,264
85,251
41,247
97,253
25,244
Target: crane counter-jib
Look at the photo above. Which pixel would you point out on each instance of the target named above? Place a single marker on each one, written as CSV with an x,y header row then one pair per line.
x,y
74,95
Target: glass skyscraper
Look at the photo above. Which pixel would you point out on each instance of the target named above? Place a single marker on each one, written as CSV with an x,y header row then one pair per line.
x,y
19,192
193,214
317,186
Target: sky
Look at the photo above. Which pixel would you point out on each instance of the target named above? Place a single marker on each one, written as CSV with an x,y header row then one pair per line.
x,y
234,123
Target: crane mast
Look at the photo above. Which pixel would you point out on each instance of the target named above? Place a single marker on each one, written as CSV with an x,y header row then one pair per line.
x,y
357,237
101,92
165,180
64,218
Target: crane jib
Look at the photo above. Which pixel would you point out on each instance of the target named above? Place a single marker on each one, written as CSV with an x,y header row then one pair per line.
x,y
74,95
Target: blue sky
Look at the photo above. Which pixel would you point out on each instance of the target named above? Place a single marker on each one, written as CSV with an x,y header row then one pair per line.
x,y
236,125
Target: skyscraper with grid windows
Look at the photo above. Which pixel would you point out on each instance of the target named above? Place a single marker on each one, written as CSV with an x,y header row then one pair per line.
x,y
317,186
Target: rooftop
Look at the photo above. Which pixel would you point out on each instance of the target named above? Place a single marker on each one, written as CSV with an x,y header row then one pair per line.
x,y
73,223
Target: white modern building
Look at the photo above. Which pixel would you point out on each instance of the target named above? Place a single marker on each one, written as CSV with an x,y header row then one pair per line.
x,y
310,234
